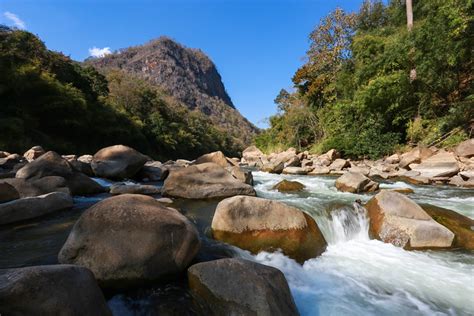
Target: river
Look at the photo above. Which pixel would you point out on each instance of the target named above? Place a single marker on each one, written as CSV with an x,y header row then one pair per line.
x,y
355,276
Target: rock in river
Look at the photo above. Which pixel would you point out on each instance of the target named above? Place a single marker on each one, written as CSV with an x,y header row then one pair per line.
x,y
240,287
355,183
207,180
31,207
51,290
396,219
257,224
131,239
288,186
117,162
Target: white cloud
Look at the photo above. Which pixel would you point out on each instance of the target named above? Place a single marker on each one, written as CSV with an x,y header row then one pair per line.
x,y
99,52
19,23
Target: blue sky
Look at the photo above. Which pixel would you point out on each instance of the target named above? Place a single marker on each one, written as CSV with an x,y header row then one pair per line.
x,y
256,45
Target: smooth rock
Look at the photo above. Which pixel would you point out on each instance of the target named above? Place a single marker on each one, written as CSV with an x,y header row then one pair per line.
x,y
275,166
396,219
236,286
35,187
131,239
216,157
288,186
207,180
33,153
51,290
243,176
339,164
117,162
257,224
49,164
117,189
355,183
442,164
319,171
460,225
465,149
295,170
414,156
252,154
27,208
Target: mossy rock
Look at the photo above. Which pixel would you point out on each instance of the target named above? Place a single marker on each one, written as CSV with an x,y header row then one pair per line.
x,y
460,225
289,186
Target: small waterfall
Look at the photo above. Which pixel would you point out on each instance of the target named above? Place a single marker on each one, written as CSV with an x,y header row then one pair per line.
x,y
345,223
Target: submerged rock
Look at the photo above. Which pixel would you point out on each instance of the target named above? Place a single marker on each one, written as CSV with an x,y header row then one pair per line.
x,y
31,207
50,290
207,180
257,224
117,162
288,186
396,219
355,183
460,225
240,287
131,239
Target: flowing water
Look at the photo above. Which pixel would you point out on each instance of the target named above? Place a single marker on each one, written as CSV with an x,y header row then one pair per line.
x,y
354,276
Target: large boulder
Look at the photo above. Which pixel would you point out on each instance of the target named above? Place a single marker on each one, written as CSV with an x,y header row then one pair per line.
x,y
80,184
49,164
216,157
355,183
27,208
442,164
243,176
8,192
117,162
33,153
257,224
207,180
50,290
288,186
339,164
252,154
396,219
274,166
460,225
414,156
465,149
240,287
131,239
35,187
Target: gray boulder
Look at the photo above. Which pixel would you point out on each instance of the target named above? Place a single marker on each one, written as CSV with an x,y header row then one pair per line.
x,y
117,162
355,183
27,208
239,287
153,171
35,187
207,180
51,290
8,192
131,239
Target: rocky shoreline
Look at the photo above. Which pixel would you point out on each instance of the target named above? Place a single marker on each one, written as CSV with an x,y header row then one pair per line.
x,y
137,237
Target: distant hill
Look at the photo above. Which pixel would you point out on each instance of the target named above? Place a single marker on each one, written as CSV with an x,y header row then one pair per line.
x,y
186,74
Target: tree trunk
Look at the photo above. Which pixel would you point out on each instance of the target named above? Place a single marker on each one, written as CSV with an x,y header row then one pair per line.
x,y
410,27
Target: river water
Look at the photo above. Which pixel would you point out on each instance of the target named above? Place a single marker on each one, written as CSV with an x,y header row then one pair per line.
x,y
355,276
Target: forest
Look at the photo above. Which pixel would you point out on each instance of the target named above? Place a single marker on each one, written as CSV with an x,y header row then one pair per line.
x,y
50,100
374,82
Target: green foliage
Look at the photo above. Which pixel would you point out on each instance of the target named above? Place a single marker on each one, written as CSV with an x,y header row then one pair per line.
x,y
48,99
356,81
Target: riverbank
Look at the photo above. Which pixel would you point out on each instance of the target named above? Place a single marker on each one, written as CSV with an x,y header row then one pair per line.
x,y
208,186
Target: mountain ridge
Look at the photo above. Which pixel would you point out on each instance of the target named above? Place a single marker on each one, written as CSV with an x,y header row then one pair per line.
x,y
187,74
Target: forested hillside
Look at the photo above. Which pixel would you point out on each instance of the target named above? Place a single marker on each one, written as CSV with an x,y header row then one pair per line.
x,y
372,83
48,99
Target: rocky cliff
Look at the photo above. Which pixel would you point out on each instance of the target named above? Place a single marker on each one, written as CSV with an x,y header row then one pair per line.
x,y
186,74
